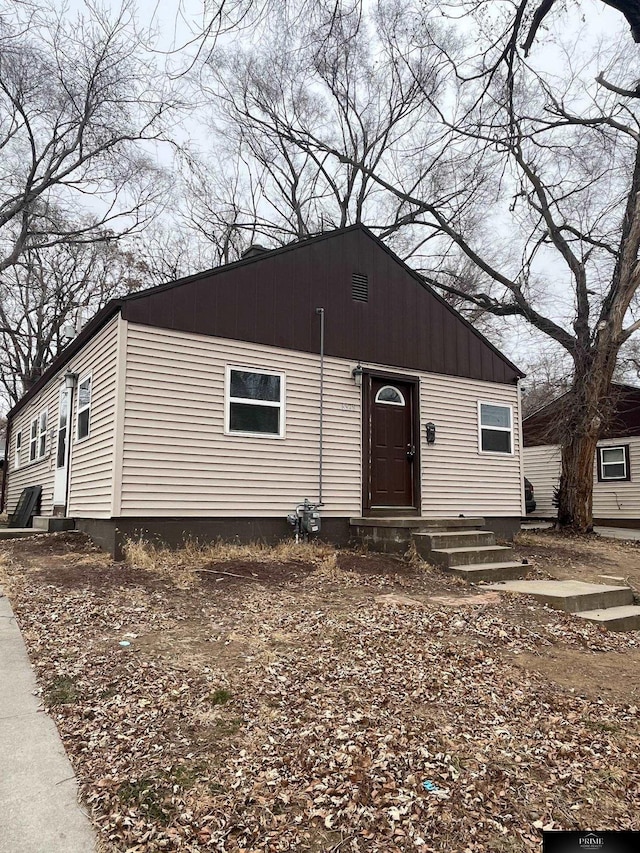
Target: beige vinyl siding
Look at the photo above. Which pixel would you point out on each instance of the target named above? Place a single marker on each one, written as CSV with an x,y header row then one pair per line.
x,y
178,461
40,472
456,476
91,459
542,467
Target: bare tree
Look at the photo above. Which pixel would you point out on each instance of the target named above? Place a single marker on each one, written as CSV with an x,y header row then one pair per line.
x,y
534,181
324,72
50,288
79,101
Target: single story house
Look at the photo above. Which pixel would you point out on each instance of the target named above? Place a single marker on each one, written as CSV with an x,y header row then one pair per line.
x,y
213,405
616,466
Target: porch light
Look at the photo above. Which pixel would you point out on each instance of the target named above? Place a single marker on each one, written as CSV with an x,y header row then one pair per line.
x,y
70,380
357,374
431,432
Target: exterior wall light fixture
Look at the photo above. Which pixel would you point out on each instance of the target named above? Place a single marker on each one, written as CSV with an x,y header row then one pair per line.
x,y
357,374
70,380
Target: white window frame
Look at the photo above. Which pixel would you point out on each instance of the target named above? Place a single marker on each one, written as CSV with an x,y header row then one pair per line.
x,y
33,439
510,429
16,455
79,410
601,464
40,434
228,400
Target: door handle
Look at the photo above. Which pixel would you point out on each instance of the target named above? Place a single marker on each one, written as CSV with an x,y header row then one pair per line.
x,y
411,452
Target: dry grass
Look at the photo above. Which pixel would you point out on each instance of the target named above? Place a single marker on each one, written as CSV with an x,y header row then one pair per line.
x,y
182,565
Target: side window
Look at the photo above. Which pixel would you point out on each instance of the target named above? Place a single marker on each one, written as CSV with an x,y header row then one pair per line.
x,y
42,434
495,428
613,463
16,458
254,402
33,440
84,407
38,437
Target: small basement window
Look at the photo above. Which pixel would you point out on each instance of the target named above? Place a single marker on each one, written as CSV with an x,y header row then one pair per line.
x,y
255,402
84,407
360,287
613,463
495,427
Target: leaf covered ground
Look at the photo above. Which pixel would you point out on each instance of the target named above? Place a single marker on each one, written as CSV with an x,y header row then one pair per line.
x,y
312,700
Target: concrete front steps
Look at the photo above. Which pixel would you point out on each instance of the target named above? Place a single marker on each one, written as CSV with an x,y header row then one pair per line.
x,y
610,606
460,546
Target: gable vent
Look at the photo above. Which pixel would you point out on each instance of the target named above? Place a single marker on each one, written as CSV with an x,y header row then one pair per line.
x,y
360,287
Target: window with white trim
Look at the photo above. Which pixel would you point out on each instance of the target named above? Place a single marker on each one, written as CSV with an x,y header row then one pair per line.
x,y
254,402
16,458
613,463
495,428
84,407
38,436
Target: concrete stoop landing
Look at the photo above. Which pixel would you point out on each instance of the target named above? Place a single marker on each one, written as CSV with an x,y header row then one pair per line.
x,y
610,606
460,546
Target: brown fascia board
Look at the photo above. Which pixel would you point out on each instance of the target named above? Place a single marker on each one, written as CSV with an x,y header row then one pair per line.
x,y
327,235
93,326
115,305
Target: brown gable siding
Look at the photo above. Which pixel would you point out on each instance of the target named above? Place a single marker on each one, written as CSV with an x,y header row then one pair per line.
x,y
541,427
271,299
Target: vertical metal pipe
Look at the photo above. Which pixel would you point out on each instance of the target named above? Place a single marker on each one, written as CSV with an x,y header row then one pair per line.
x,y
320,311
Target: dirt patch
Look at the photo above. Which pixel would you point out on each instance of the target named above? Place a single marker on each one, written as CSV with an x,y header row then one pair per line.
x,y
232,572
310,699
585,558
376,564
98,575
610,676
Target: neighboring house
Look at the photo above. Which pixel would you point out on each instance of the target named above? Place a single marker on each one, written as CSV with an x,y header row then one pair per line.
x,y
616,480
204,406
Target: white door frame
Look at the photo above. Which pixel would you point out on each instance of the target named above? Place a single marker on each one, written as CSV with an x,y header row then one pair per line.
x,y
61,479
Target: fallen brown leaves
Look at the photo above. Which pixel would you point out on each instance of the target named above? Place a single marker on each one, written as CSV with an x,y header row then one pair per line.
x,y
359,705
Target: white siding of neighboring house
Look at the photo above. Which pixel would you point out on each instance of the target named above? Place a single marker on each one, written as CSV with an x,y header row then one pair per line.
x,y
177,460
91,458
542,467
613,499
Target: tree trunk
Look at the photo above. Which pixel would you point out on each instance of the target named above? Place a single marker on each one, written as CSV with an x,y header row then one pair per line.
x,y
575,504
588,410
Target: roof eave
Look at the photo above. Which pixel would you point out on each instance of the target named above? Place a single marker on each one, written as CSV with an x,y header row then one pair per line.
x,y
112,308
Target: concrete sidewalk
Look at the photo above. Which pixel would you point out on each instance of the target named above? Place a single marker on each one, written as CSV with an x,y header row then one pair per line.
x,y
39,812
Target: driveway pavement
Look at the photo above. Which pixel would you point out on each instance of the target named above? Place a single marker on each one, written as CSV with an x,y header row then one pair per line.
x,y
39,812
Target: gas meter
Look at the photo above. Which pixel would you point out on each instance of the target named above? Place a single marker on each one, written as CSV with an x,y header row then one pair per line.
x,y
305,520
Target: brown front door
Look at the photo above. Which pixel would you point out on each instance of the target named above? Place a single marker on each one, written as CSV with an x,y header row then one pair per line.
x,y
393,461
